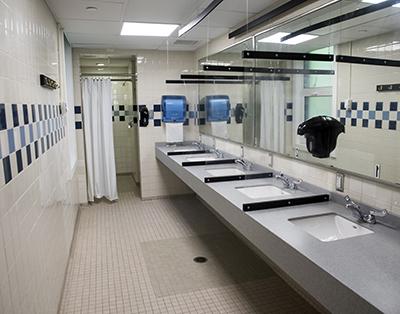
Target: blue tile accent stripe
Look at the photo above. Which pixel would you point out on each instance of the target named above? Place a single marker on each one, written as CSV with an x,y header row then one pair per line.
x,y
21,135
379,115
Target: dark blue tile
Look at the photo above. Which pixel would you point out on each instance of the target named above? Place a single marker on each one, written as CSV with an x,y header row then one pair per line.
x,y
25,111
113,119
33,110
343,121
47,141
392,125
157,122
7,169
378,124
78,125
354,105
42,145
342,106
365,123
52,139
289,105
187,107
201,107
192,115
22,136
385,115
36,149
78,109
229,120
135,120
116,113
157,108
348,114
365,105
379,106
134,107
122,118
359,114
186,122
3,121
353,122
202,121
45,112
15,115
398,116
393,106
20,167
289,118
121,108
11,141
40,108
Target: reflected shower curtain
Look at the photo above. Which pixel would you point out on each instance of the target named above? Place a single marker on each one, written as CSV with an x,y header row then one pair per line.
x,y
272,99
99,143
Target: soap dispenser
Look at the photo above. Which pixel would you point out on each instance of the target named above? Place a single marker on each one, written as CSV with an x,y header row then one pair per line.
x,y
321,135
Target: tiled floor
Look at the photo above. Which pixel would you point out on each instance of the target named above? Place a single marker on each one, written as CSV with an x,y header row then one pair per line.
x,y
136,256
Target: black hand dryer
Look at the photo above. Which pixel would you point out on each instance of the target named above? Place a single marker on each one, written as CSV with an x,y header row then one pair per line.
x,y
321,134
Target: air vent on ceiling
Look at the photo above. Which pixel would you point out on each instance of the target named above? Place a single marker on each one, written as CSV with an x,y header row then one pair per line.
x,y
182,42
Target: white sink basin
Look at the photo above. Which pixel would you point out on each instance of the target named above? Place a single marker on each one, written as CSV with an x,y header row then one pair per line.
x,y
224,172
262,191
187,149
330,227
202,158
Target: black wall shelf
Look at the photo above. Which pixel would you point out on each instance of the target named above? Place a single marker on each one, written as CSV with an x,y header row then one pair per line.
x,y
367,61
265,70
342,18
388,88
211,7
273,55
234,77
266,18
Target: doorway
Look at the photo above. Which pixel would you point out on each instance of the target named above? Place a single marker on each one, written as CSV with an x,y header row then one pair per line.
x,y
121,71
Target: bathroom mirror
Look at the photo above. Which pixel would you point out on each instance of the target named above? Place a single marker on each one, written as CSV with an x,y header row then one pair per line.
x,y
363,97
225,107
370,145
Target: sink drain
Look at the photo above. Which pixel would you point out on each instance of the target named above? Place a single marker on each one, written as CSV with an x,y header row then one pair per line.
x,y
200,259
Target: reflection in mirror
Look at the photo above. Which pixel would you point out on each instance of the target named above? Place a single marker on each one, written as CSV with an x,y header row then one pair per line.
x,y
224,109
371,118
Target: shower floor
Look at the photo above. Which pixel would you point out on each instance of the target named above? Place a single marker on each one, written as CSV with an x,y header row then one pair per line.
x,y
136,256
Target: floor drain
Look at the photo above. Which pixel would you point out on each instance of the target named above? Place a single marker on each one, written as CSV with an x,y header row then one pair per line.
x,y
200,259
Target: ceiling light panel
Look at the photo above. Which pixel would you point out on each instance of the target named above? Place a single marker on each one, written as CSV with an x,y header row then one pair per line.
x,y
379,1
276,39
147,29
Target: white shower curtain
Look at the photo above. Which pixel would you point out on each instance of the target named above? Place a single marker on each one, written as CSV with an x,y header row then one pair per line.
x,y
272,99
99,143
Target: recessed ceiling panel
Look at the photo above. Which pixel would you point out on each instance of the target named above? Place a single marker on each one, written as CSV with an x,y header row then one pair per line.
x,y
76,10
156,11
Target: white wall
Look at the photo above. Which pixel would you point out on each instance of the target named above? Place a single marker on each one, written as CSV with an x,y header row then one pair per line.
x,y
38,206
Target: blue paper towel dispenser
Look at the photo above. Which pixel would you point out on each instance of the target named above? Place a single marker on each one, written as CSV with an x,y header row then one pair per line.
x,y
173,108
217,108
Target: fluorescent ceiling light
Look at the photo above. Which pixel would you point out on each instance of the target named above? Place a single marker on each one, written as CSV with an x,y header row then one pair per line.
x,y
276,39
100,64
147,29
379,1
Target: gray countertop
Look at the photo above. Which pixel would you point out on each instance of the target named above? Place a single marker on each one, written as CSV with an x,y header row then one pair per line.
x,y
365,266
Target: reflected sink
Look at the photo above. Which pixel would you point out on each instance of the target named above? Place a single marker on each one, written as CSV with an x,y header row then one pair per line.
x,y
225,172
330,227
202,158
181,150
262,191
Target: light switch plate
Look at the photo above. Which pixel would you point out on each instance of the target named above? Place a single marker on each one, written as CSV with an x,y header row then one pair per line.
x,y
340,182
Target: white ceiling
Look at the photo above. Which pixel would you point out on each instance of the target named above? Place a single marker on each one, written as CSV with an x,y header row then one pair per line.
x,y
101,29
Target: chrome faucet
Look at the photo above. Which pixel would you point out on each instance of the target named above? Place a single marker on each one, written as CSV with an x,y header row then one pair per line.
x,y
368,218
217,152
200,146
288,183
245,164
